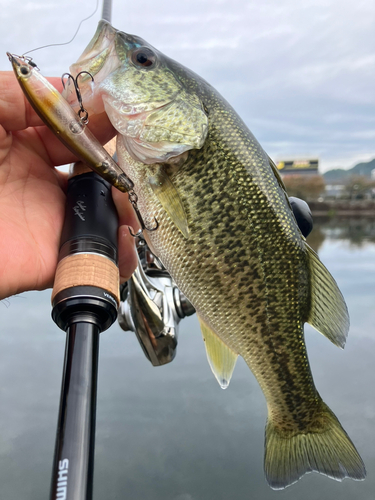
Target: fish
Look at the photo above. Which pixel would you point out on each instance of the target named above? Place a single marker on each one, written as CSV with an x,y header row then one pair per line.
x,y
228,237
64,122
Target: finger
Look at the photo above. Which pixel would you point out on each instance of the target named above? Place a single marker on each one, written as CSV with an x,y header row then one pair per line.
x,y
127,216
127,253
15,111
59,154
126,243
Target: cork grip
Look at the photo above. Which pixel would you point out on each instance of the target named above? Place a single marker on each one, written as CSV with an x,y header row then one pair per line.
x,y
87,270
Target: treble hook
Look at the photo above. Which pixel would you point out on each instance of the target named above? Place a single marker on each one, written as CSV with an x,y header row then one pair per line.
x,y
82,113
133,198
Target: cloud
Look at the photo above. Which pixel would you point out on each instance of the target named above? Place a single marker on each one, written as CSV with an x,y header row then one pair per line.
x,y
299,73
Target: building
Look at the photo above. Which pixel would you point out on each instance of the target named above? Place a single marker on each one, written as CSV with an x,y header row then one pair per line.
x,y
298,167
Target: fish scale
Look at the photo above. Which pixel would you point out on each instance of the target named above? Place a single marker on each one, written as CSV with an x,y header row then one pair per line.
x,y
228,237
212,272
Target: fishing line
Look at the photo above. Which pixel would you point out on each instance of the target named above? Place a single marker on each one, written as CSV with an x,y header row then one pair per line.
x,y
70,41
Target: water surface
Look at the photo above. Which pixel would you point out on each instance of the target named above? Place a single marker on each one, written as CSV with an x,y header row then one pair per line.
x,y
171,433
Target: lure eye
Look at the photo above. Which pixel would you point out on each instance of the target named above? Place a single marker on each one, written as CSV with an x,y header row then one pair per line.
x,y
24,70
144,57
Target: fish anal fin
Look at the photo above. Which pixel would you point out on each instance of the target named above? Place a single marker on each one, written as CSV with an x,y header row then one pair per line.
x,y
328,312
328,450
221,358
168,196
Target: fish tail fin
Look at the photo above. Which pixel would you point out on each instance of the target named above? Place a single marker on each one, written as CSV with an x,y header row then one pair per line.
x,y
325,448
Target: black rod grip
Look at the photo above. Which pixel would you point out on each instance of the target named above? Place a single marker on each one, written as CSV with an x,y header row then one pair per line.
x,y
90,214
86,284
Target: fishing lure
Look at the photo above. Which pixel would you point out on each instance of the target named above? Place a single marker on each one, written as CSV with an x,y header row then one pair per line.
x,y
62,120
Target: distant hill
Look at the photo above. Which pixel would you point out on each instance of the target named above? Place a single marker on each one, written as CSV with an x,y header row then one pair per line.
x,y
339,174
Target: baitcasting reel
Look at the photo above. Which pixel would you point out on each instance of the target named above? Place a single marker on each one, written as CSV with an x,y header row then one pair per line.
x,y
152,306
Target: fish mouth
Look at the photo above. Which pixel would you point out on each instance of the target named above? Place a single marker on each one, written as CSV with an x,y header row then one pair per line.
x,y
97,61
156,116
97,52
106,53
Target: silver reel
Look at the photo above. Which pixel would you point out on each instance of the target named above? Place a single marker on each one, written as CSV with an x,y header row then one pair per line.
x,y
152,306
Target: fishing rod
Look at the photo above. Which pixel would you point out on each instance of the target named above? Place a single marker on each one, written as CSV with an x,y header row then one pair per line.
x,y
85,302
85,299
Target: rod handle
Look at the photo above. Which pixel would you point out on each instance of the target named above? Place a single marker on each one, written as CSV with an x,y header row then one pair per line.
x,y
85,269
87,275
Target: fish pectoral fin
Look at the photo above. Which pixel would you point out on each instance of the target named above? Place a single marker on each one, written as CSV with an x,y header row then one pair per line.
x,y
221,358
170,200
328,312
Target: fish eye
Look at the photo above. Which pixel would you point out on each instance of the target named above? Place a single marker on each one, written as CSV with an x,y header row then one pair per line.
x,y
144,57
24,70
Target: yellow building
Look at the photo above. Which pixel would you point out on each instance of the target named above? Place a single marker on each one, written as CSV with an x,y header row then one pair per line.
x,y
298,167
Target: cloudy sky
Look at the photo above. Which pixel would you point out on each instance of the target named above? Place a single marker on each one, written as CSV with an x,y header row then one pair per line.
x,y
300,74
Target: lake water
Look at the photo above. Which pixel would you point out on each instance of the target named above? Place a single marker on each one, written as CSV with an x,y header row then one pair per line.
x,y
171,433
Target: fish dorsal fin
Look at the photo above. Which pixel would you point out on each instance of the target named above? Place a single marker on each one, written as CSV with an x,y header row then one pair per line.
x,y
276,173
221,358
170,200
280,181
328,311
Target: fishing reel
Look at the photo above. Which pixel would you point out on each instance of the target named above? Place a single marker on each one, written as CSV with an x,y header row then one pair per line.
x,y
152,306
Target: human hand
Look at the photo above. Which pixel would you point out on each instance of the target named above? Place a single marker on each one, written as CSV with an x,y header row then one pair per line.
x,y
32,194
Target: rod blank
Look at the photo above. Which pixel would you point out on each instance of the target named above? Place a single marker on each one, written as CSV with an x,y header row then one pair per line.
x,y
74,454
107,10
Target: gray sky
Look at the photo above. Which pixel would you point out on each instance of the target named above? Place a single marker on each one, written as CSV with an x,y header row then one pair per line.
x,y
300,74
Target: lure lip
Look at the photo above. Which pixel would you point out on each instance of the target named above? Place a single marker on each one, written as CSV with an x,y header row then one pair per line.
x,y
21,67
19,61
14,59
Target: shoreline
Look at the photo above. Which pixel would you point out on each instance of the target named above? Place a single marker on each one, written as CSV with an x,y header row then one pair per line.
x,y
342,208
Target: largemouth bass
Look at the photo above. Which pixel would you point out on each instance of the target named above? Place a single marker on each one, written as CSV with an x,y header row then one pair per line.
x,y
228,237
